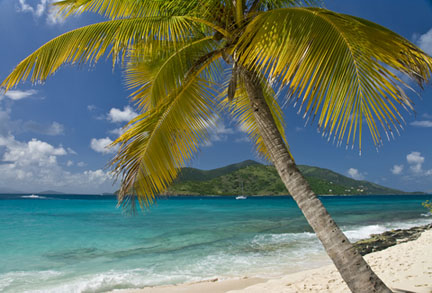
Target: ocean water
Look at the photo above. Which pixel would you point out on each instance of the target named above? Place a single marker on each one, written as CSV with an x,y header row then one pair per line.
x,y
71,243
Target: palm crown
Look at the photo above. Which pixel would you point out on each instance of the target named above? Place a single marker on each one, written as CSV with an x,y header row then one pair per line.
x,y
337,68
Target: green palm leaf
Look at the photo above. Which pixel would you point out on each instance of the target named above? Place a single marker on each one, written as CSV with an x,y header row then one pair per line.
x,y
164,138
155,73
275,4
241,110
112,9
144,8
89,43
338,66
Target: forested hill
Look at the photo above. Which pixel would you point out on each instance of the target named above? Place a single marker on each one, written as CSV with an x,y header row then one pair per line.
x,y
259,179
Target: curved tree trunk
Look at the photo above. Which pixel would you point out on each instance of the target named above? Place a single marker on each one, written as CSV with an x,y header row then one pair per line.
x,y
354,270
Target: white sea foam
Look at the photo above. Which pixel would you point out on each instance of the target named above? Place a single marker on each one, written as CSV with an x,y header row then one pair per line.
x,y
95,283
34,196
361,232
12,280
264,255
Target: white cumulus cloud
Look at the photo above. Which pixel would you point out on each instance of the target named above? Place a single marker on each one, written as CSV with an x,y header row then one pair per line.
x,y
116,115
119,131
97,176
355,174
29,160
101,145
422,123
415,160
425,42
24,7
18,94
218,131
34,166
34,151
55,129
397,169
42,8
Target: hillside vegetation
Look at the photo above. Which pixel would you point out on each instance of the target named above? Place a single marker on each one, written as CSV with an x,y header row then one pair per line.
x,y
252,178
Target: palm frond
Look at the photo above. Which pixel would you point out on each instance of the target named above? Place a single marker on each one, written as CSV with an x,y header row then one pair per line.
x,y
339,67
241,110
155,73
161,141
265,5
164,138
144,8
123,9
210,13
89,43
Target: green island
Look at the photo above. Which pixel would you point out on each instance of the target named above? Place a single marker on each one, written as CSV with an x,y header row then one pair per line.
x,y
252,178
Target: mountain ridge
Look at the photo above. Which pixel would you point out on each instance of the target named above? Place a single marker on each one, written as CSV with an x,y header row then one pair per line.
x,y
260,179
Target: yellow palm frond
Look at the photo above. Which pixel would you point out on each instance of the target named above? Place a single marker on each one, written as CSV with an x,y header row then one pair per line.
x,y
89,43
339,67
199,11
132,8
263,5
164,139
111,9
157,72
240,108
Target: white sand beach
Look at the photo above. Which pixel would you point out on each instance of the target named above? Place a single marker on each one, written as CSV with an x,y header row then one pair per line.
x,y
406,267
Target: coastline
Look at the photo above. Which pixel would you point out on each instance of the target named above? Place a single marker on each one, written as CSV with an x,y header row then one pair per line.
x,y
405,267
191,195
179,241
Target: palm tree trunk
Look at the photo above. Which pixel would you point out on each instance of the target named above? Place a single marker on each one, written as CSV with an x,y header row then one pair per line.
x,y
354,270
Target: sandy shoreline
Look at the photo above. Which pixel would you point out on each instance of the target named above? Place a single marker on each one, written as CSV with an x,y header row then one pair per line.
x,y
406,267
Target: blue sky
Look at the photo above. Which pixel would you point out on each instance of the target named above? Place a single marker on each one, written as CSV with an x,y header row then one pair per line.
x,y
52,136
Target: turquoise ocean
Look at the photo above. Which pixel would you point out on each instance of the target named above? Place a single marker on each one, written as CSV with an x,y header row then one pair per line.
x,y
83,243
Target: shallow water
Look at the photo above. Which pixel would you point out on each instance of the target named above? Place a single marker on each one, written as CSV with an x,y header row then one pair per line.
x,y
70,243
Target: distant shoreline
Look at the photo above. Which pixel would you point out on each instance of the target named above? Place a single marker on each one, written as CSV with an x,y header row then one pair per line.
x,y
250,178
212,195
288,195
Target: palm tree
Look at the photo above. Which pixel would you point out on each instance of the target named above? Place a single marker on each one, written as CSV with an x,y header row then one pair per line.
x,y
340,69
